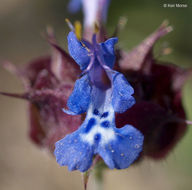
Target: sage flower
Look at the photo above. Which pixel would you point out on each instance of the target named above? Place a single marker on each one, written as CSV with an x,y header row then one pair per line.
x,y
100,92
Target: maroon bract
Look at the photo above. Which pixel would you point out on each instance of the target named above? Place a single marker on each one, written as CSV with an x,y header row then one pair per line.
x,y
158,112
48,82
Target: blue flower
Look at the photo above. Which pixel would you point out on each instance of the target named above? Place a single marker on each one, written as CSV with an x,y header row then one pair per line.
x,y
100,92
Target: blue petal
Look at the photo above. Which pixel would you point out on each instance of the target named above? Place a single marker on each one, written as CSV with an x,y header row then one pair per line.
x,y
122,98
78,51
107,49
79,99
124,150
74,6
71,151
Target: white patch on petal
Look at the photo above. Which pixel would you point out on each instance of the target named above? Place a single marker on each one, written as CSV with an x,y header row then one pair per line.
x,y
107,134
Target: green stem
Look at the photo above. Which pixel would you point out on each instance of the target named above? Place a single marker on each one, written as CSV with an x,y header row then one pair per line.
x,y
98,176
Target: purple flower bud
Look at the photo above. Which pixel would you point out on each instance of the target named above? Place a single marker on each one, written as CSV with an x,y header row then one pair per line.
x,y
94,10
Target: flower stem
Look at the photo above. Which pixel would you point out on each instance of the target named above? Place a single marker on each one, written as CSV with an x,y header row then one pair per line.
x,y
98,176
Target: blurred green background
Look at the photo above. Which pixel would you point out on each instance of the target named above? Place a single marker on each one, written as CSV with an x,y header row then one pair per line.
x,y
22,164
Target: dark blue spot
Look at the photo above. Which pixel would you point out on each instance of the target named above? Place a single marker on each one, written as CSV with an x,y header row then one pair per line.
x,y
96,112
97,137
105,124
105,114
90,124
